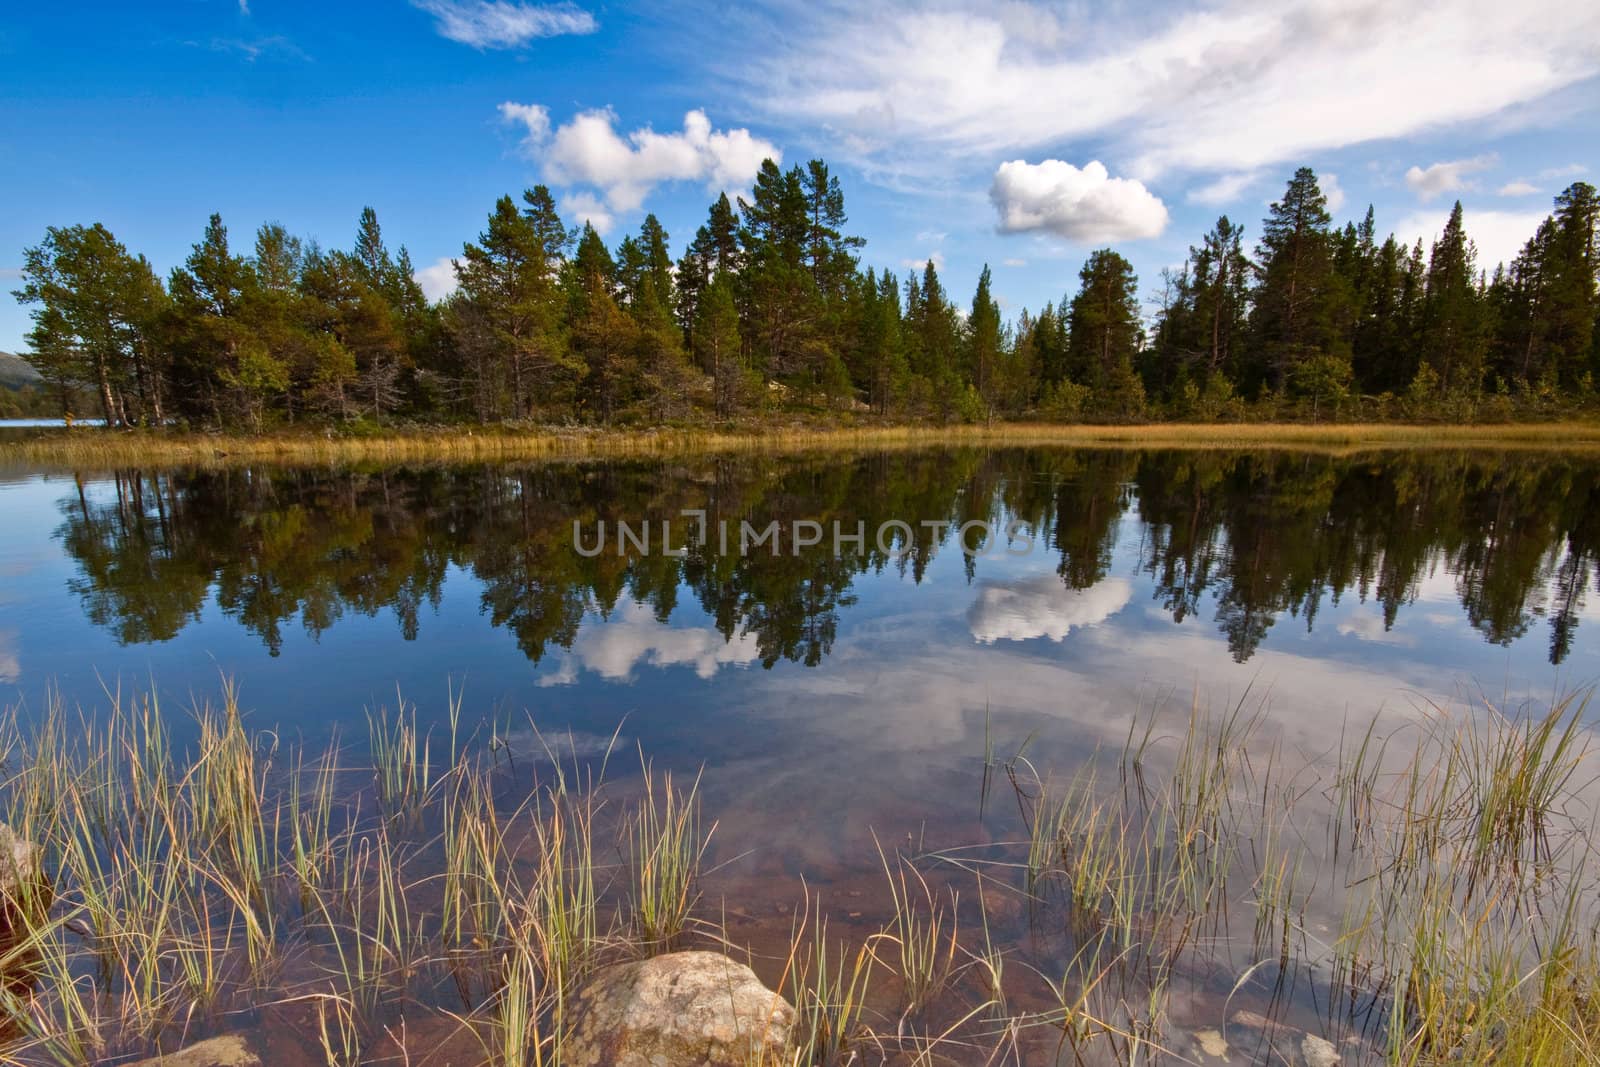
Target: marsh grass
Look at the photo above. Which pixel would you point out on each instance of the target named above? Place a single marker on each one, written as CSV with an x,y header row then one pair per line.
x,y
98,448
1433,890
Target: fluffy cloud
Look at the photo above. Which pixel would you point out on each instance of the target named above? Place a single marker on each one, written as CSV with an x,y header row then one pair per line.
x,y
1042,606
1332,190
1085,205
1228,87
1429,182
614,648
1499,235
499,24
586,207
533,118
588,151
1517,188
438,279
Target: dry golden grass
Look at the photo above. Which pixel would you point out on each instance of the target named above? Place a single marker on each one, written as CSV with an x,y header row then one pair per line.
x,y
98,448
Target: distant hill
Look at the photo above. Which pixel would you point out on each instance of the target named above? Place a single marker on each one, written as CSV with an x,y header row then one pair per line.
x,y
15,373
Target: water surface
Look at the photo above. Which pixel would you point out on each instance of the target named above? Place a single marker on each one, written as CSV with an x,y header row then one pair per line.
x,y
834,699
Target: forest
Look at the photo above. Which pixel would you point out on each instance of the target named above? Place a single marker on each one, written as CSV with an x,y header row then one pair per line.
x,y
770,307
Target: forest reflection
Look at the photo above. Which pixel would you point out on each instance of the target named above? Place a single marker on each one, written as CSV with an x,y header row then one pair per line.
x,y
1247,538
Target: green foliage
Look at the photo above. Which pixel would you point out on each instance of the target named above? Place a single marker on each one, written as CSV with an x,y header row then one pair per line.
x,y
769,303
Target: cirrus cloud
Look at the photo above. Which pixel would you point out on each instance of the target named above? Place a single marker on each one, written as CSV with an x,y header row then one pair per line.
x,y
1225,87
485,24
1082,205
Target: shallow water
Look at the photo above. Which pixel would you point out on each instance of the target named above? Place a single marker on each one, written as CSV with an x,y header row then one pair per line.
x,y
834,700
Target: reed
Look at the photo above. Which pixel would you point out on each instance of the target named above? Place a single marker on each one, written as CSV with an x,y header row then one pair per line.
x,y
101,449
665,849
1448,903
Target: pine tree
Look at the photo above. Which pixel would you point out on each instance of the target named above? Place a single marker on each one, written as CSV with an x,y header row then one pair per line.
x,y
1294,302
1105,335
1452,334
716,334
1572,271
225,370
539,207
507,316
985,344
98,311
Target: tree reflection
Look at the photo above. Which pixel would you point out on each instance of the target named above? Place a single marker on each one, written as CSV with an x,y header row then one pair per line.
x,y
1250,538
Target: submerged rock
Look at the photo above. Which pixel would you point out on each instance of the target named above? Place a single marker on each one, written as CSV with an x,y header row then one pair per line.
x,y
25,893
1212,1044
229,1050
683,1008
1318,1051
20,864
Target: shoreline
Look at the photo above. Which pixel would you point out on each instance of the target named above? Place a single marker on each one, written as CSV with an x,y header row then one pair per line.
x,y
94,447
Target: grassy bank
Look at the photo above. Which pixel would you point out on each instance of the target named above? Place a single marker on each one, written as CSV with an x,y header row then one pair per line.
x,y
1432,889
96,448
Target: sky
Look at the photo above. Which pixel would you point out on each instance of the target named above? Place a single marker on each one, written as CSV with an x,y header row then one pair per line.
x,y
1021,135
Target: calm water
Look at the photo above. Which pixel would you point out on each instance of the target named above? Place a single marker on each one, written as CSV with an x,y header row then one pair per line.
x,y
829,697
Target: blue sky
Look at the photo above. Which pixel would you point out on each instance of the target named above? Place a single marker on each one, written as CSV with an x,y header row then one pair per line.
x,y
1018,134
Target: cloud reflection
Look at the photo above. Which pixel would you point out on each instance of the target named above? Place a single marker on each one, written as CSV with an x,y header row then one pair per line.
x,y
1042,606
10,665
615,647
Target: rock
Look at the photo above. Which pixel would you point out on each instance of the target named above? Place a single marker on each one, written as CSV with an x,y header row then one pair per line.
x,y
1319,1052
1211,1044
19,863
677,1010
1253,1020
25,892
229,1050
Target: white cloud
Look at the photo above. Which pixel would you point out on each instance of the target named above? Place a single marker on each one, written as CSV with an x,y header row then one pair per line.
x,y
1013,262
936,258
1229,87
1569,170
534,119
614,648
586,207
1517,188
500,24
1499,235
1085,205
1042,606
1366,625
438,280
1428,182
1332,190
588,151
1223,190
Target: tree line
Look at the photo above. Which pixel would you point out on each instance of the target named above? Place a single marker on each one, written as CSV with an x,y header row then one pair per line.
x,y
770,306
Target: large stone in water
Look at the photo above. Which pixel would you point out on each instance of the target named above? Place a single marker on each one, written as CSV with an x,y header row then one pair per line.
x,y
677,1010
19,863
229,1050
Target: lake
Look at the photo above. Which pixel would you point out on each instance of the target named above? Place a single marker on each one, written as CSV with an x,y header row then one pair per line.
x,y
840,697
